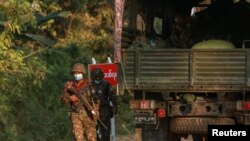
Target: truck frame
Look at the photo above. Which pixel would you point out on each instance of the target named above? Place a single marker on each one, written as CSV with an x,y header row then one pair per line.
x,y
179,92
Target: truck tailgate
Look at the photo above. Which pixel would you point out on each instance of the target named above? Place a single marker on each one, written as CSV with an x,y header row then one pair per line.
x,y
189,69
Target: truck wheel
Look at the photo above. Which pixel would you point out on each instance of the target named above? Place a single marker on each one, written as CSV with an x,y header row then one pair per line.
x,y
194,125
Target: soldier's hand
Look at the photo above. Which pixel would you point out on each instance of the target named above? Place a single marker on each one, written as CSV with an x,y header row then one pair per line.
x,y
95,113
68,85
114,110
73,98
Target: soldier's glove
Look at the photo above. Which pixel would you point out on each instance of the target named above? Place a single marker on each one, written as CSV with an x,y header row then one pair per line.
x,y
65,98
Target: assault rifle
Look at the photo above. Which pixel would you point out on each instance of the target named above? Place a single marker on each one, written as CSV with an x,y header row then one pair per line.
x,y
84,101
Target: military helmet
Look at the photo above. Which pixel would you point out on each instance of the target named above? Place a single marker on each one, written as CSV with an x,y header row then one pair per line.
x,y
78,67
97,74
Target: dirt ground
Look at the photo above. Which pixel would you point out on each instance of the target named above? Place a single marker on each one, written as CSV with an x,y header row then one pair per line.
x,y
125,138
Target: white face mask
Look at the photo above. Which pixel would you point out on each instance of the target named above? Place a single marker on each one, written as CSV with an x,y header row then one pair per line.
x,y
97,81
78,76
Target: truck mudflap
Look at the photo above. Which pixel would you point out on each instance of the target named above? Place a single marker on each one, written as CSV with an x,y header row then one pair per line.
x,y
196,125
144,134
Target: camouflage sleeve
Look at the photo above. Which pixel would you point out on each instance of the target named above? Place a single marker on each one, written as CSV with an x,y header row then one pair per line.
x,y
65,97
67,85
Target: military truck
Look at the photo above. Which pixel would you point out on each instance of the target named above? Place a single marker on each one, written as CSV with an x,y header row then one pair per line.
x,y
179,91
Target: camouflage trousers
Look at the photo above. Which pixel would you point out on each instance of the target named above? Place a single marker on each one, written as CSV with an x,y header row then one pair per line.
x,y
83,126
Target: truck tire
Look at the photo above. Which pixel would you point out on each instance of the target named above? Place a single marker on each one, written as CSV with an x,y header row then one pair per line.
x,y
195,125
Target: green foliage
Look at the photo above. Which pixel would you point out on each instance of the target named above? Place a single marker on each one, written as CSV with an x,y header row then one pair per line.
x,y
39,42
17,11
124,118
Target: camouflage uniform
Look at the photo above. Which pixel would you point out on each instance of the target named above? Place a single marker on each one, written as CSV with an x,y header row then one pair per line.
x,y
103,94
83,123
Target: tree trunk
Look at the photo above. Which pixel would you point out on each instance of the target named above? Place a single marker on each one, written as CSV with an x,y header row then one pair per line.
x,y
119,6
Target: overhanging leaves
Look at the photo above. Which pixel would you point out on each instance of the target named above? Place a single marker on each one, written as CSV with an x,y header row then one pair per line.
x,y
60,14
41,39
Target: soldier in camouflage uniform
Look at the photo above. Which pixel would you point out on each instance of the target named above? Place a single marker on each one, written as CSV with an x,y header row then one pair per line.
x,y
82,114
103,95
